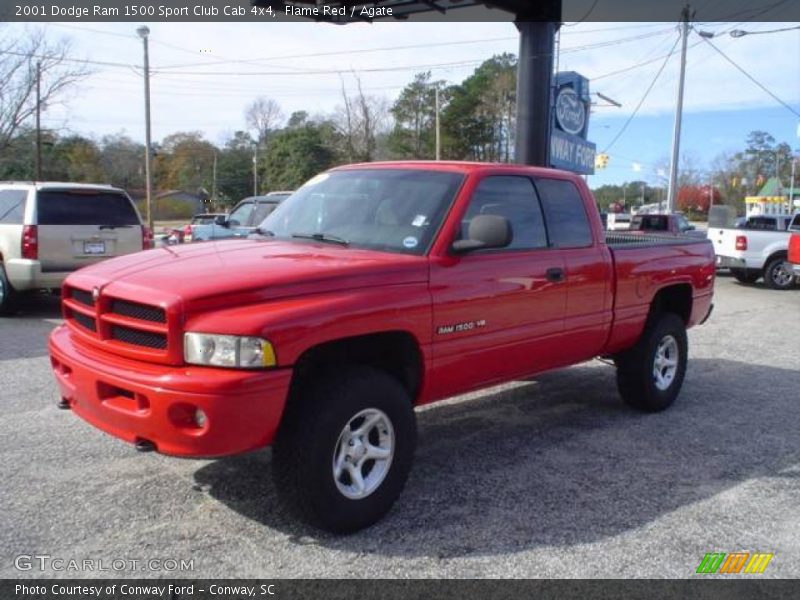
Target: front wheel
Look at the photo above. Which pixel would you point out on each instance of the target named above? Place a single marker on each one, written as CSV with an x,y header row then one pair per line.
x,y
778,274
650,375
345,448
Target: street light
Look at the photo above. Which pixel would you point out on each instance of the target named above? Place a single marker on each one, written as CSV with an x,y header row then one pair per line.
x,y
143,32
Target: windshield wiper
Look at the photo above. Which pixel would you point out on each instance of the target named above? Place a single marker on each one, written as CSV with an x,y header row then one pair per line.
x,y
322,237
266,232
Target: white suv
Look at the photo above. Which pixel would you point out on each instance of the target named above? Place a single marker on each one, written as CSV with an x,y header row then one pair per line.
x,y
48,230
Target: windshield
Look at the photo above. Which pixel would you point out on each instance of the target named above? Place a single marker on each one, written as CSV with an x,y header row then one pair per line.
x,y
397,210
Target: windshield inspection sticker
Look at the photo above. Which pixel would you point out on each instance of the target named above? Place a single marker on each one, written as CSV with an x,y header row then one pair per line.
x,y
419,220
410,242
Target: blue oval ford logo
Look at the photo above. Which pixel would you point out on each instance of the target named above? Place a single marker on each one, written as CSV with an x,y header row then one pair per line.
x,y
570,111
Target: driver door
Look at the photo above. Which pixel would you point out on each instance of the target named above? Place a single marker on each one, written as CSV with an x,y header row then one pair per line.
x,y
498,313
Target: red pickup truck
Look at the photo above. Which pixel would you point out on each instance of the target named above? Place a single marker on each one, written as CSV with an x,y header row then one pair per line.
x,y
794,253
373,289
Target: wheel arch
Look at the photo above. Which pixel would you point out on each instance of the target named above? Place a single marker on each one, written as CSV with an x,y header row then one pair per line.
x,y
675,298
397,353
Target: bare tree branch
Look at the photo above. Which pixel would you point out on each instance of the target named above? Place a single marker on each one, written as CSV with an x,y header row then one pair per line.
x,y
18,62
262,116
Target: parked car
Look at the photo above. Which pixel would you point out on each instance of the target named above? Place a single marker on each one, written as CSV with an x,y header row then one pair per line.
x,y
618,221
757,249
373,289
48,230
200,219
672,224
242,220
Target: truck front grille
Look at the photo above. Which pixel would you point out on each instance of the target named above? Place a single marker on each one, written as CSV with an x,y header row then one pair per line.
x,y
136,337
82,296
134,310
87,322
124,322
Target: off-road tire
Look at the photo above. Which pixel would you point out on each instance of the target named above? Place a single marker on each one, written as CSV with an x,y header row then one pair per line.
x,y
747,276
778,274
309,436
636,379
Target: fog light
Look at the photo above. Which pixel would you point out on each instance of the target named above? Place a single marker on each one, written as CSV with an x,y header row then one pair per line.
x,y
200,418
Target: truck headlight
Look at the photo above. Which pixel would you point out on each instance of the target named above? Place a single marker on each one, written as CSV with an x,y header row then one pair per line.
x,y
227,351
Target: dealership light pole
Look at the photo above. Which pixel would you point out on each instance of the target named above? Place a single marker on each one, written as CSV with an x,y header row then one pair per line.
x,y
676,136
143,32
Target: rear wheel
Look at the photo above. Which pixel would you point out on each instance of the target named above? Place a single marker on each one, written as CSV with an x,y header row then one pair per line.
x,y
778,274
344,449
650,375
8,295
746,275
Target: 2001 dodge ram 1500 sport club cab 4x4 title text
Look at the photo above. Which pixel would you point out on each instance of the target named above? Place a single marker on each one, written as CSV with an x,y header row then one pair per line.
x,y
373,289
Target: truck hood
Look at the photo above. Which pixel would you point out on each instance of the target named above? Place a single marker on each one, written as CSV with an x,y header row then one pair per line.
x,y
205,275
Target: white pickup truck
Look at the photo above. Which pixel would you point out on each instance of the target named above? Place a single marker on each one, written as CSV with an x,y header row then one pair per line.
x,y
757,249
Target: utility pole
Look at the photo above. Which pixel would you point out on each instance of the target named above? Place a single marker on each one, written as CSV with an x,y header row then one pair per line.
x,y
791,185
143,32
214,180
676,138
38,121
438,133
255,170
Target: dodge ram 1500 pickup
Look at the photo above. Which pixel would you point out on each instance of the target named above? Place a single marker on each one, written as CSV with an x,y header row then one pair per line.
x,y
373,289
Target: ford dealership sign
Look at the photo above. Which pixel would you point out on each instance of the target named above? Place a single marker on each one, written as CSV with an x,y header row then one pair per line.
x,y
570,111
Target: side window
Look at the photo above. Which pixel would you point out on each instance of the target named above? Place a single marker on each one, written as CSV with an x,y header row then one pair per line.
x,y
240,214
261,212
12,206
567,222
515,199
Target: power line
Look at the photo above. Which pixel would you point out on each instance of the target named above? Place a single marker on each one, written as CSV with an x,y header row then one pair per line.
x,y
644,97
751,78
66,59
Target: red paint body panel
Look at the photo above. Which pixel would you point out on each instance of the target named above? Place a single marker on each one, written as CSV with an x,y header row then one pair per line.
x,y
478,319
794,249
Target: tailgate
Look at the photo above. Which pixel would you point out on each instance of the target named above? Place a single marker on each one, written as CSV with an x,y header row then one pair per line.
x,y
724,241
80,227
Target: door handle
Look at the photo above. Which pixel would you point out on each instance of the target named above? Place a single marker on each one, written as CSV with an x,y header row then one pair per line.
x,y
555,274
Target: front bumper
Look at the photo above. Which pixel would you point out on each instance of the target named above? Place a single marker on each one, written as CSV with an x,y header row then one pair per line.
x,y
143,402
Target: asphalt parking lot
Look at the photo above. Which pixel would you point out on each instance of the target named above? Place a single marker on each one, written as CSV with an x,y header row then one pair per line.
x,y
550,478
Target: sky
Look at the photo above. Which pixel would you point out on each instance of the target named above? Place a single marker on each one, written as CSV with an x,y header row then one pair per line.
x,y
204,75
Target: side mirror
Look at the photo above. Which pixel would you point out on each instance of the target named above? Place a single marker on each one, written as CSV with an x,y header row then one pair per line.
x,y
485,231
221,220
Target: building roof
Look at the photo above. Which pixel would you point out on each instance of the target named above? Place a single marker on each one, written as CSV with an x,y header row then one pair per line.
x,y
773,187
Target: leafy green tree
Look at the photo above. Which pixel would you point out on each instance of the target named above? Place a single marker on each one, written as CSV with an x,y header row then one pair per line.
x,y
75,158
479,120
414,111
297,154
185,161
235,170
122,161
